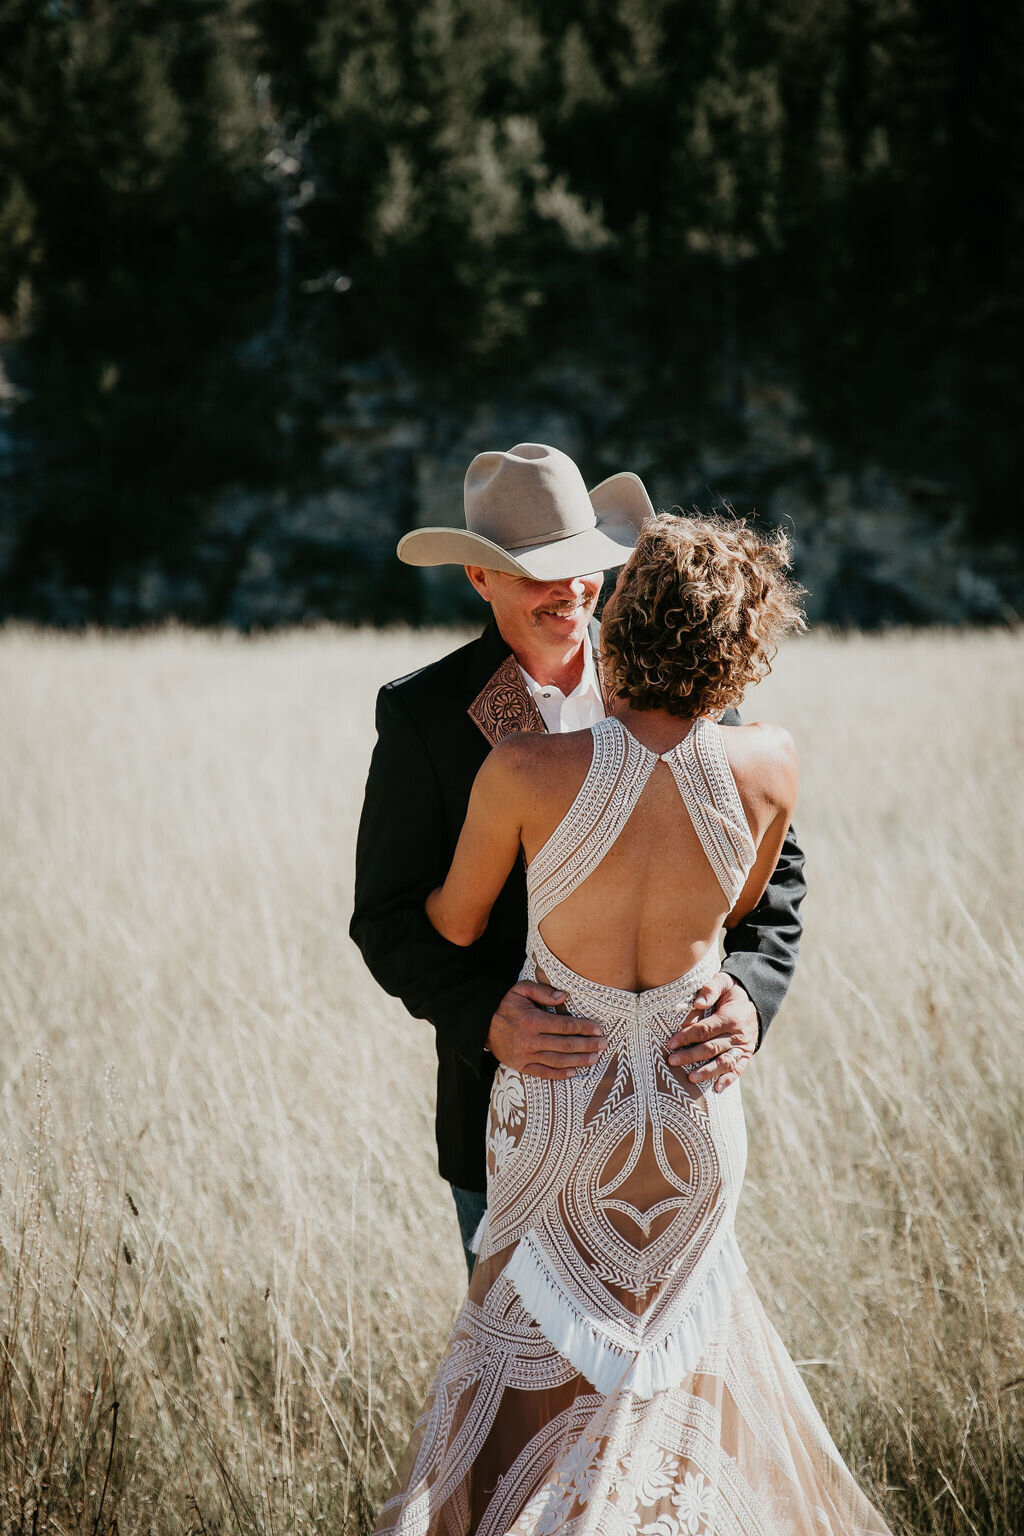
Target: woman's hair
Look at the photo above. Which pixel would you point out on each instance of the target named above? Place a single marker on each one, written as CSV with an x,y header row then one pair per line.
x,y
703,604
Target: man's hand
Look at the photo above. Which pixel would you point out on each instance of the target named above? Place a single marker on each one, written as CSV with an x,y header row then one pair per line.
x,y
720,1034
524,1036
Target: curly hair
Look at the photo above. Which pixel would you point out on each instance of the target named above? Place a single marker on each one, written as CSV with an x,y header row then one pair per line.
x,y
698,616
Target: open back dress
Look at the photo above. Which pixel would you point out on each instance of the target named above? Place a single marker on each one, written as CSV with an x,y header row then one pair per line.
x,y
611,1371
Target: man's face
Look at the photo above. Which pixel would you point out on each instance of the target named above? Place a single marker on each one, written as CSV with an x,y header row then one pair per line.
x,y
539,615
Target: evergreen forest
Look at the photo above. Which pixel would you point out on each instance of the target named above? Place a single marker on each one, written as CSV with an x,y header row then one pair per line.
x,y
258,256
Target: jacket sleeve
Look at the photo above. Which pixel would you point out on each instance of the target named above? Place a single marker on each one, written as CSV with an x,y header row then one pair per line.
x,y
400,857
761,951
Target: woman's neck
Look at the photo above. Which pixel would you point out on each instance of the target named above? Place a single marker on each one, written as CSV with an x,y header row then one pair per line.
x,y
655,728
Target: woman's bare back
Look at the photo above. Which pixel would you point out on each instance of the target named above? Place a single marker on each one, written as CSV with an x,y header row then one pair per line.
x,y
654,904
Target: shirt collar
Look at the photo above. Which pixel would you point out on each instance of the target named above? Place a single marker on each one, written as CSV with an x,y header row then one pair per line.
x,y
588,681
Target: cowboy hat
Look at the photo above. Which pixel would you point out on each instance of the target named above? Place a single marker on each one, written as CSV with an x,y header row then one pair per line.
x,y
528,513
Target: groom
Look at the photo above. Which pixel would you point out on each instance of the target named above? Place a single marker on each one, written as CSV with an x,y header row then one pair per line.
x,y
535,546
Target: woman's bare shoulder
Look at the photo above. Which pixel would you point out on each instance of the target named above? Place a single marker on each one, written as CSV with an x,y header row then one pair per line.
x,y
761,736
539,752
763,756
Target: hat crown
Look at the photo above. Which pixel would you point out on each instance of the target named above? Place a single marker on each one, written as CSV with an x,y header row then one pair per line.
x,y
530,496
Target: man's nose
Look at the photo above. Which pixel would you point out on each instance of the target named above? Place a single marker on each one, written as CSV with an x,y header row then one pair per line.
x,y
573,586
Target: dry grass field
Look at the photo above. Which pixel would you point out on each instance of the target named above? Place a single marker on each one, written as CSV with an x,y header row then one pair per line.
x,y
227,1264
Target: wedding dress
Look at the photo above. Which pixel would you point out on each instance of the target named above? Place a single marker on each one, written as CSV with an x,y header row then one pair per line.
x,y
611,1372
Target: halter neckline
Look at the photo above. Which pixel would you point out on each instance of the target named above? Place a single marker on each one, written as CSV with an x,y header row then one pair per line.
x,y
620,767
661,757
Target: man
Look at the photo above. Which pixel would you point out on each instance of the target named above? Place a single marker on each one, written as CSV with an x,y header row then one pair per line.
x,y
535,546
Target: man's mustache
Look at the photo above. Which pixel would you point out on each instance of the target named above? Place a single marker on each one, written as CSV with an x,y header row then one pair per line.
x,y
565,608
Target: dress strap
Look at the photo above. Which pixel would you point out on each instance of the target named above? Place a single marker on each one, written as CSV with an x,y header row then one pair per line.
x,y
705,781
619,768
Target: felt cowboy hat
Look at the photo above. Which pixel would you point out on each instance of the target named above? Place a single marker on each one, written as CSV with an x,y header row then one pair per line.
x,y
528,513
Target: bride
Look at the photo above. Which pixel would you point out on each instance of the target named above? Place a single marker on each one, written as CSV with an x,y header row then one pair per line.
x,y
612,1370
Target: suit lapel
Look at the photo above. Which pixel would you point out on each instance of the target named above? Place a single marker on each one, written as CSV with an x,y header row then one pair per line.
x,y
504,706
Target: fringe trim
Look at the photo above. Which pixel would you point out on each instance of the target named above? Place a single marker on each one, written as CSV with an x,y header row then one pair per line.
x,y
476,1240
585,1344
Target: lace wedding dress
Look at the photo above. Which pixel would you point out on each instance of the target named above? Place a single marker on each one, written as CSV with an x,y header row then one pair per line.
x,y
611,1370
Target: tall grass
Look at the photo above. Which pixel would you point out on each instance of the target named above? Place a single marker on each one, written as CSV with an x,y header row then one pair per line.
x,y
227,1264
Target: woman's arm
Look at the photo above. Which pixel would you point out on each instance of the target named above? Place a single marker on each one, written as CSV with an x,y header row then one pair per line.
x,y
400,856
486,851
785,783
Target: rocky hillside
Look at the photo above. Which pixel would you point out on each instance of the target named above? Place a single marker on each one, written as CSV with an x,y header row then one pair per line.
x,y
872,548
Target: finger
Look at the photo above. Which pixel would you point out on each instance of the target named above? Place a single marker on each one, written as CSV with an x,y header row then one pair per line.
x,y
567,1024
562,1045
564,1060
725,1034
706,1063
697,1033
709,1071
731,1022
537,992
712,990
691,1056
737,1066
724,1010
683,1035
552,1074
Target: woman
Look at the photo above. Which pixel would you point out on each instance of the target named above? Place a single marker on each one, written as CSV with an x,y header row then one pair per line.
x,y
612,1369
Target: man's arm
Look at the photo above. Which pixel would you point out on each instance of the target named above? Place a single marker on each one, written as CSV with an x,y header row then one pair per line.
x,y
399,859
732,1012
761,951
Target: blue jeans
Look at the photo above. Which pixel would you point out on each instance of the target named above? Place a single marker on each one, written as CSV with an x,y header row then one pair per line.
x,y
469,1207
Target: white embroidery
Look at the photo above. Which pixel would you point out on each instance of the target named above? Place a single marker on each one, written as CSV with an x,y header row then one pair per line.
x,y
500,1145
651,1473
621,1200
508,1096
608,1278
694,1498
583,1467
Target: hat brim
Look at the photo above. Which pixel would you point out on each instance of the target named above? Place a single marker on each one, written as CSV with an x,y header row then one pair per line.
x,y
622,506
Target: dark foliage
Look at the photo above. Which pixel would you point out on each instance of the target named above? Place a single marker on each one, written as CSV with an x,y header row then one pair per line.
x,y
209,206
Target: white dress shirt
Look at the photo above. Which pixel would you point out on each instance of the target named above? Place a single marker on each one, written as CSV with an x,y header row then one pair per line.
x,y
569,712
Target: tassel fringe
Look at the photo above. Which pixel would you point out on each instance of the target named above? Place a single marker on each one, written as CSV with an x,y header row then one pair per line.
x,y
478,1236
607,1365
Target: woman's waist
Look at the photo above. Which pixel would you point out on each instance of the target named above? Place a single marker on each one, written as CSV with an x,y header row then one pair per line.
x,y
588,998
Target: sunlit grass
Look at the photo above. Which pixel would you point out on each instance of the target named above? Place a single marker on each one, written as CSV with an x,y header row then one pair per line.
x,y
219,1207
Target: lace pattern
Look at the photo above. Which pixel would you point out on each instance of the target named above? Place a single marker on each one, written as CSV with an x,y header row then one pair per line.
x,y
611,1372
705,781
619,770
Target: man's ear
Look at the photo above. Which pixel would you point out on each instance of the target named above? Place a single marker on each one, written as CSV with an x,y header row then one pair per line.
x,y
479,580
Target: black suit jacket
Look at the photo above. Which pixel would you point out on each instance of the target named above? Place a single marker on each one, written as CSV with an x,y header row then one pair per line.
x,y
434,729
